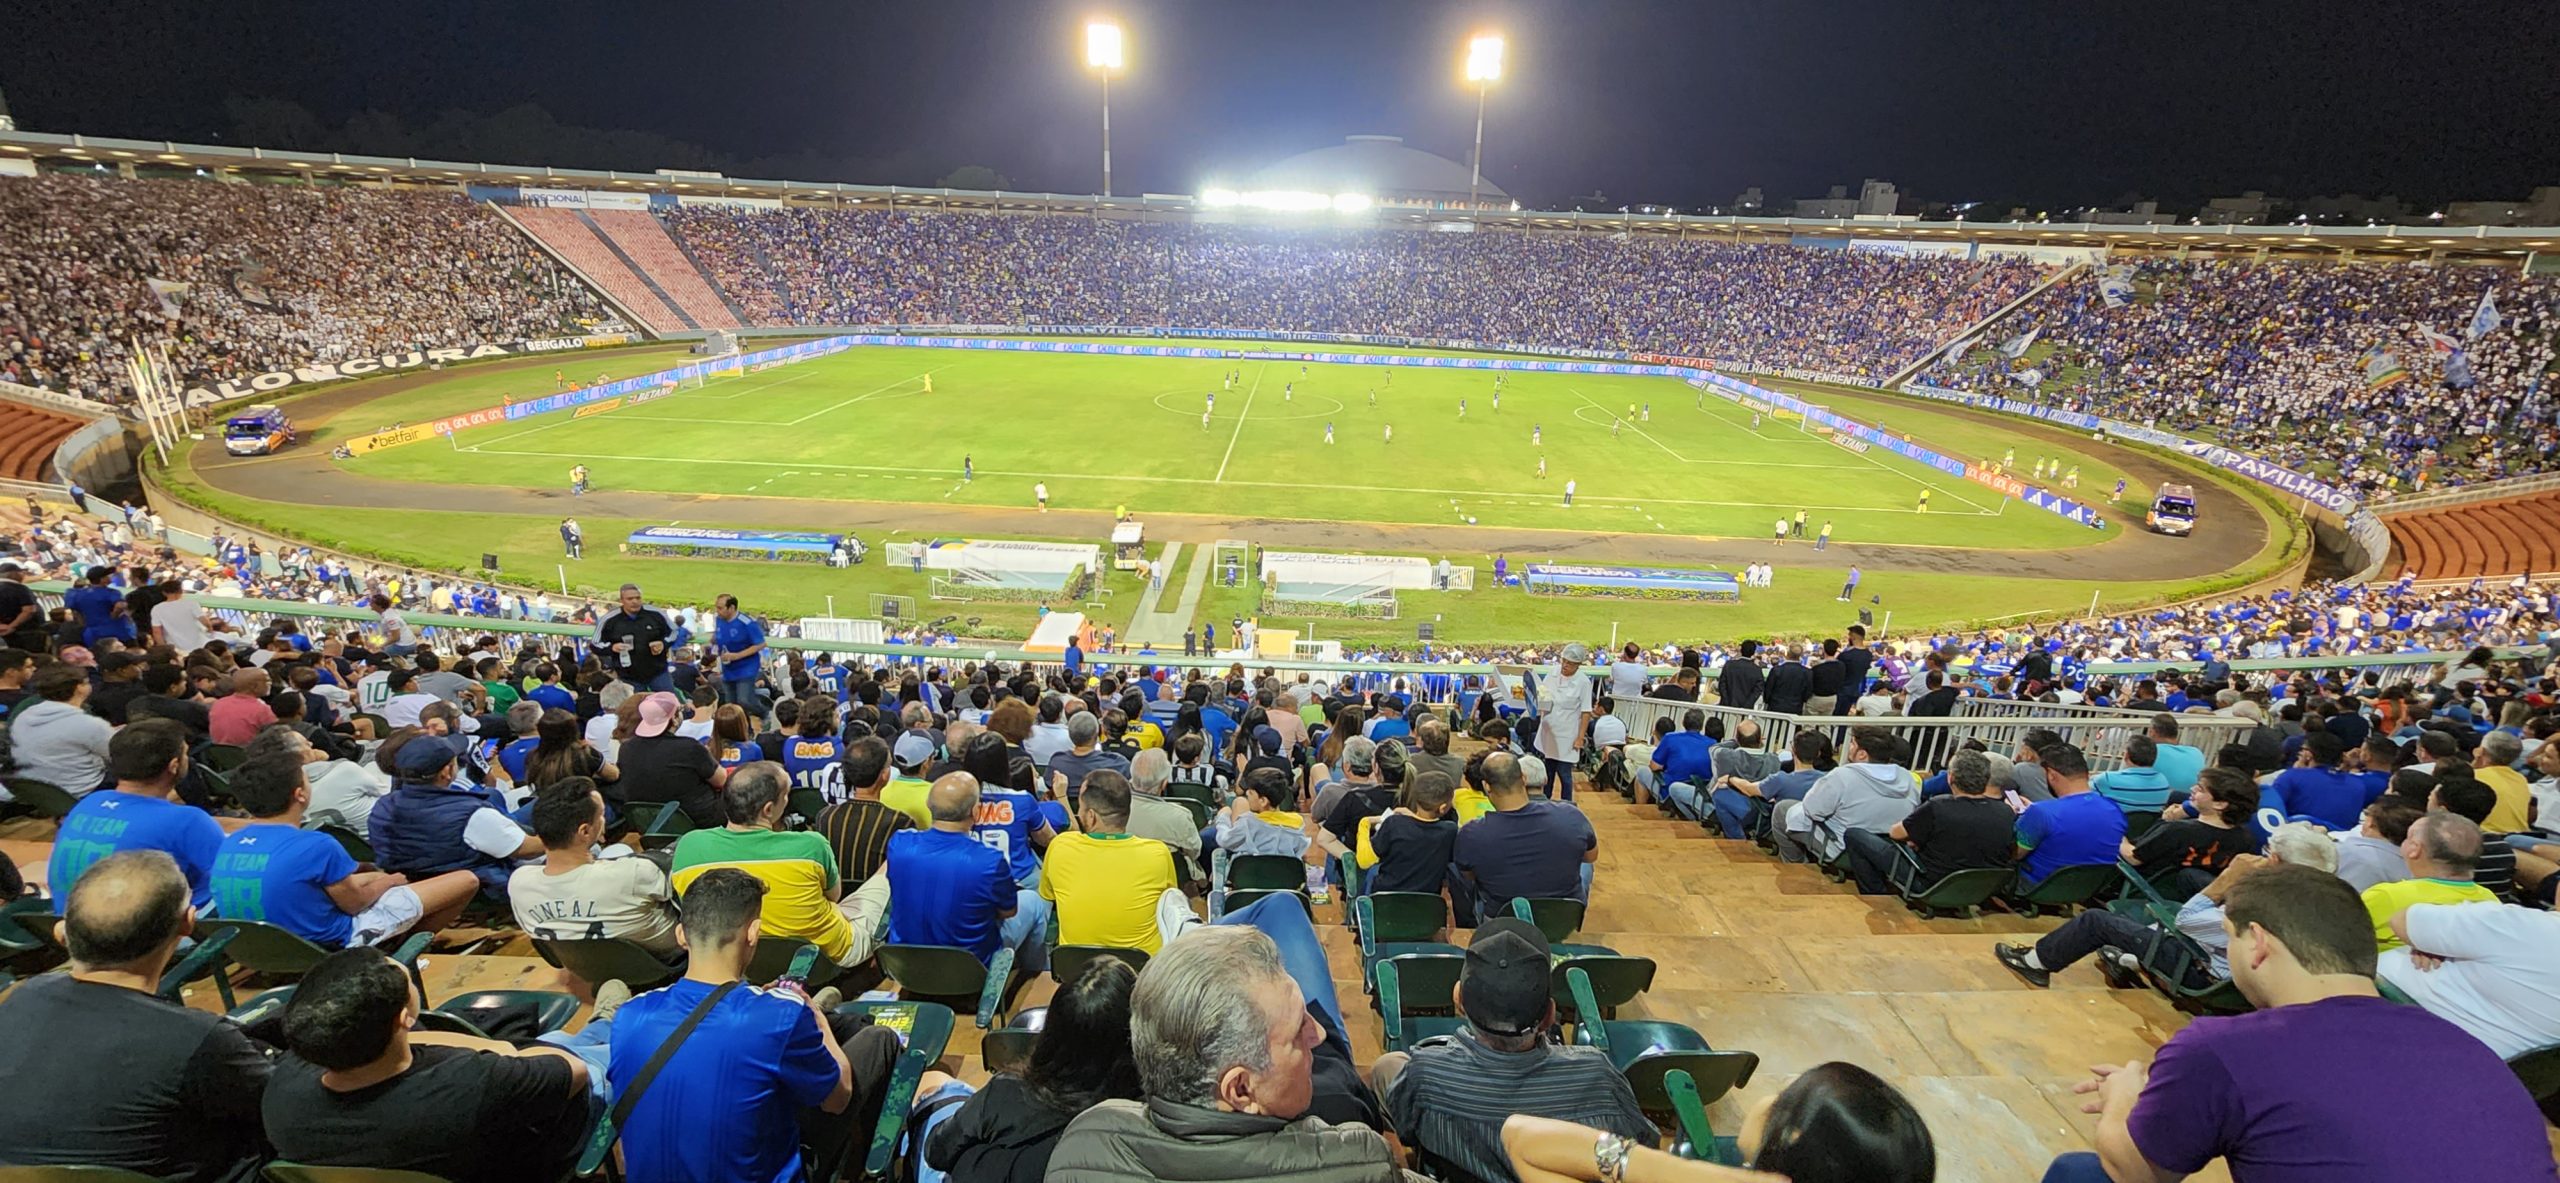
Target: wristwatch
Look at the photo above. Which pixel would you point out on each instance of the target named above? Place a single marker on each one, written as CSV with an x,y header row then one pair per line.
x,y
1609,1157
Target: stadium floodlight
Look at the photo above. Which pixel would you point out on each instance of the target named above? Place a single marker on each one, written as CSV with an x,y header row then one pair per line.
x,y
1484,68
1102,51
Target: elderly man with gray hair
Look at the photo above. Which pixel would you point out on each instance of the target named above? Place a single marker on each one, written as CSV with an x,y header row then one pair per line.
x,y
1152,815
1084,756
1229,1048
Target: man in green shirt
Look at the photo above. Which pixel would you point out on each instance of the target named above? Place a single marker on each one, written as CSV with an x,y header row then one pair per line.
x,y
798,868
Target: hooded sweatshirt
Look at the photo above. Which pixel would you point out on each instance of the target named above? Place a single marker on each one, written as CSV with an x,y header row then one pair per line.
x,y
61,745
1873,797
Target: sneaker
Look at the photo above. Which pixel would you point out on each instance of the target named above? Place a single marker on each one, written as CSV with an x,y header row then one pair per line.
x,y
2015,957
609,998
2122,970
827,1000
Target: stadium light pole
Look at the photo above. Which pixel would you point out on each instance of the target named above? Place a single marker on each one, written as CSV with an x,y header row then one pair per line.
x,y
1484,68
1102,52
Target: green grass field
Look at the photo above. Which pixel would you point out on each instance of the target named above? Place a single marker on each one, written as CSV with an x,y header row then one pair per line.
x,y
1111,431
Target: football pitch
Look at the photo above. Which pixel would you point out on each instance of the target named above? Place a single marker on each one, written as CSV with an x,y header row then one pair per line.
x,y
1249,439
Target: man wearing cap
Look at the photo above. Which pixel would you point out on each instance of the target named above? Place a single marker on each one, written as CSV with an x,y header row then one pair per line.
x,y
433,822
658,765
637,639
1451,1093
1564,718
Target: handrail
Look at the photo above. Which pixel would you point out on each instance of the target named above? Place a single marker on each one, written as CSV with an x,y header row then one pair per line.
x,y
2466,494
2353,661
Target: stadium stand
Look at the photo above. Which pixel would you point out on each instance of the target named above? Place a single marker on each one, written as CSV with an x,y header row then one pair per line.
x,y
644,242
578,240
28,436
2272,359
266,276
2511,536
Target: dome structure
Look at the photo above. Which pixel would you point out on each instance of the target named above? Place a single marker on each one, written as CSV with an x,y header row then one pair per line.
x,y
1381,167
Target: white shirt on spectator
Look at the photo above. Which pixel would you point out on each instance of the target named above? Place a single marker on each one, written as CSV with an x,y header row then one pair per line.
x,y
2500,979
183,620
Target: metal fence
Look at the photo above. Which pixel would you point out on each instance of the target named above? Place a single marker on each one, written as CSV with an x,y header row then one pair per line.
x,y
2099,733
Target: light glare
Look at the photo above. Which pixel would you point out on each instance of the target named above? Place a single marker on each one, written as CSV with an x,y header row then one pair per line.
x,y
1102,45
1291,201
1484,59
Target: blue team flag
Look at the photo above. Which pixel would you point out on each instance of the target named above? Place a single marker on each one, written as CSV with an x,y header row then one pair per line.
x,y
2484,319
2457,370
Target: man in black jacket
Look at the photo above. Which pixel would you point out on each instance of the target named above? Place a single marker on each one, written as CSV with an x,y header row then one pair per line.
x,y
1855,660
636,638
1829,679
1790,684
1738,683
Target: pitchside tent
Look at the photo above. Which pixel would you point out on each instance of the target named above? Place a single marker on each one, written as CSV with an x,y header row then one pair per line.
x,y
1053,631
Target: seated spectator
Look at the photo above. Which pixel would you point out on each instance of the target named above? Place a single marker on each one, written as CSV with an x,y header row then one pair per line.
x,y
55,739
2318,789
343,792
1358,767
1414,845
2493,763
788,1080
1450,1094
731,742
2075,827
1083,757
434,822
2494,972
1736,801
1153,815
363,1088
1431,750
948,888
303,882
1195,774
558,753
2183,853
2500,869
1263,819
1967,829
1228,1047
111,1075
2443,852
2177,763
1006,1131
1681,767
164,696
2371,855
1109,886
148,759
1871,790
237,717
659,765
2240,1088
1839,1123
2137,787
1526,848
858,828
1012,821
2026,765
798,868
2119,939
575,894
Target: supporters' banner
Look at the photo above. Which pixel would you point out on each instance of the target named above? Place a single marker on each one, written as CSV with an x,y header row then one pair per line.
x,y
2115,285
2018,345
2484,319
746,203
421,432
2029,377
773,545
169,292
2439,342
2382,368
363,367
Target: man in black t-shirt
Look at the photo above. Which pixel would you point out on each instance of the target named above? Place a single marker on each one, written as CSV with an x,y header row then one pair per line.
x,y
659,766
1971,827
21,617
362,1089
2182,854
636,641
106,1073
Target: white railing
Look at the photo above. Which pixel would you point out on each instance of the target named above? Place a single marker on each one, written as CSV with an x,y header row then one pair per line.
x,y
2467,494
2100,733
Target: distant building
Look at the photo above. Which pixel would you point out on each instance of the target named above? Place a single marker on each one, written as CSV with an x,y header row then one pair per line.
x,y
1875,199
2248,209
1385,170
2143,213
2354,207
1751,202
2541,209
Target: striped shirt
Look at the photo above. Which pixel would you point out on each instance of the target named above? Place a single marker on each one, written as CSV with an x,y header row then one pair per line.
x,y
859,831
1452,1098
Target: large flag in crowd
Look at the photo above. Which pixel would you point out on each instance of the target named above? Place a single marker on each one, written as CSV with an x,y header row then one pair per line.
x,y
2381,368
2457,370
2115,285
2484,319
2017,346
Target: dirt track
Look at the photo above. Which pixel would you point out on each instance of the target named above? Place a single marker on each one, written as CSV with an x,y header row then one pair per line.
x,y
2235,530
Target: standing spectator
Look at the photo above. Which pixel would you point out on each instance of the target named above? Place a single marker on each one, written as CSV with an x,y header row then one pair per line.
x,y
1564,718
636,639
739,644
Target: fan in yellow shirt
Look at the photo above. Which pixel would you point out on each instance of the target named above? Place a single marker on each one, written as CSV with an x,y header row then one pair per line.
x,y
1110,886
2442,851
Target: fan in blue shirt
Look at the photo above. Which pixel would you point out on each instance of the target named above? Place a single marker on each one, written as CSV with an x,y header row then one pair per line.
x,y
947,888
138,814
2320,790
281,875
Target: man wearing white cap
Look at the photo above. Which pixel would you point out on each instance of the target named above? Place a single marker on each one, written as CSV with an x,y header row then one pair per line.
x,y
1564,718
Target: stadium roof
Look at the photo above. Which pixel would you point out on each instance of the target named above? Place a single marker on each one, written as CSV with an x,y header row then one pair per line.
x,y
154,157
1380,166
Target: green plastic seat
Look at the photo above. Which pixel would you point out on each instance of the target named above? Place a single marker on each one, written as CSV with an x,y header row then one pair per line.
x,y
609,959
946,971
2139,823
1397,924
1264,872
2065,889
348,840
16,938
552,1009
265,949
1557,919
774,958
926,1028
1615,982
2171,960
294,1172
47,799
1066,961
1660,1060
262,1006
662,828
1418,982
1963,892
1201,811
1238,900
221,757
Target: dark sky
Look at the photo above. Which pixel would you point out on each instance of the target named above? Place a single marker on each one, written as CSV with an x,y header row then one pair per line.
x,y
2043,104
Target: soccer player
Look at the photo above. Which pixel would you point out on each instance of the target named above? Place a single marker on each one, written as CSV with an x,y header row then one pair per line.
x,y
1288,391
1204,420
1648,413
1040,493
1213,400
2008,459
559,380
1302,369
1391,433
2071,480
1497,396
1542,468
1755,420
1328,431
2119,488
1537,436
1924,501
1615,424
578,480
1568,492
968,467
928,384
1462,408
1373,398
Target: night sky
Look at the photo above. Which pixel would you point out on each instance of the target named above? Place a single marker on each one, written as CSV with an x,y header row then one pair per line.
x,y
1685,102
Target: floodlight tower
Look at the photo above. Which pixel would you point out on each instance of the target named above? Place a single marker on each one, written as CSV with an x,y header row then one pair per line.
x,y
1102,52
1484,68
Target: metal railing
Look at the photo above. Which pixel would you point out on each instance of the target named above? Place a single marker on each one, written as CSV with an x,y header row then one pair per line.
x,y
2466,494
2388,667
2099,733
